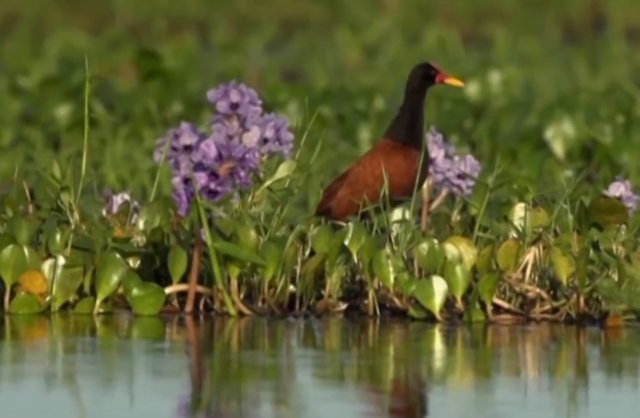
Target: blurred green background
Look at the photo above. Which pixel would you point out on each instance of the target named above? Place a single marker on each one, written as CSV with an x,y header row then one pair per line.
x,y
552,87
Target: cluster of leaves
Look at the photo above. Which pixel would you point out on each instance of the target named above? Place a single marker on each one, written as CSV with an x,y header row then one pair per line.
x,y
60,252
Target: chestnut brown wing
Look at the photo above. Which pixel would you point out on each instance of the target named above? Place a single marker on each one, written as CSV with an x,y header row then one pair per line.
x,y
363,182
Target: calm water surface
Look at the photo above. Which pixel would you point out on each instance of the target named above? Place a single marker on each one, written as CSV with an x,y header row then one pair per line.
x,y
149,367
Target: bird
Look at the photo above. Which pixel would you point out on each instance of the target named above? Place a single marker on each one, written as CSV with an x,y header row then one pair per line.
x,y
394,159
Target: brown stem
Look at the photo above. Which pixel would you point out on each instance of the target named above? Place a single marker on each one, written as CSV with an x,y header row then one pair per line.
x,y
193,274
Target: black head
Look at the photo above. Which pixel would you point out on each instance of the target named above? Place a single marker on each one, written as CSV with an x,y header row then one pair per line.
x,y
425,75
406,126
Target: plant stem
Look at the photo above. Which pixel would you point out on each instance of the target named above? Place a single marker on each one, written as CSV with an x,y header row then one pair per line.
x,y
7,299
424,212
217,273
184,287
193,274
85,136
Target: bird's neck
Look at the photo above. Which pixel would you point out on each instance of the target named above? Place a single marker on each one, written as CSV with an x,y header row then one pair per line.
x,y
408,124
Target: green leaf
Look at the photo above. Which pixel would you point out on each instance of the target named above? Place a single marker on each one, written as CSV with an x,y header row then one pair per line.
x,y
34,261
6,240
383,268
65,286
177,262
321,238
85,306
146,298
355,238
538,217
247,237
430,255
130,280
283,171
458,278
451,253
22,229
605,211
153,215
563,264
432,293
110,270
468,251
25,303
487,285
13,263
56,240
237,252
507,254
485,258
273,255
416,311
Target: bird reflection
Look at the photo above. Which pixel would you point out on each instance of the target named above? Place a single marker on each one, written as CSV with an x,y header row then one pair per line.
x,y
407,398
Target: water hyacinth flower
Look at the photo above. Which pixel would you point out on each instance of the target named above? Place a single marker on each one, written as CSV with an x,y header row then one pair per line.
x,y
223,161
621,189
450,171
113,202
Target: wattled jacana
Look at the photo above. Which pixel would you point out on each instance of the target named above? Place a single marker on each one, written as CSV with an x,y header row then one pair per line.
x,y
396,155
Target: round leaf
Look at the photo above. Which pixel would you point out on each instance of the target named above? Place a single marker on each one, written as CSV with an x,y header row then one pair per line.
x,y
507,254
13,263
468,251
458,278
430,255
130,281
22,229
487,286
109,272
431,293
485,258
563,265
177,262
383,268
247,237
65,285
24,303
355,238
85,306
451,252
34,261
321,238
146,298
56,240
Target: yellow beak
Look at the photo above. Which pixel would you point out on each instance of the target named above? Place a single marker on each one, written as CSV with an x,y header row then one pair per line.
x,y
452,81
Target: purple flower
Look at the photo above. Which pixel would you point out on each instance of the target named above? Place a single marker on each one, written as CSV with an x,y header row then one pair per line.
x,y
225,160
182,141
456,173
235,97
276,138
621,189
113,203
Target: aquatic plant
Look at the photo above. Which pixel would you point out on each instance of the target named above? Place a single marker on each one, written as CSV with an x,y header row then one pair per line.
x,y
223,161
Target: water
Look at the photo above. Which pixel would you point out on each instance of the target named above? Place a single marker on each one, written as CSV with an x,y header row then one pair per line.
x,y
121,366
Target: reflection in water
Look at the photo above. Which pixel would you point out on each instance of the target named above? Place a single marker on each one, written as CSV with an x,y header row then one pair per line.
x,y
248,367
